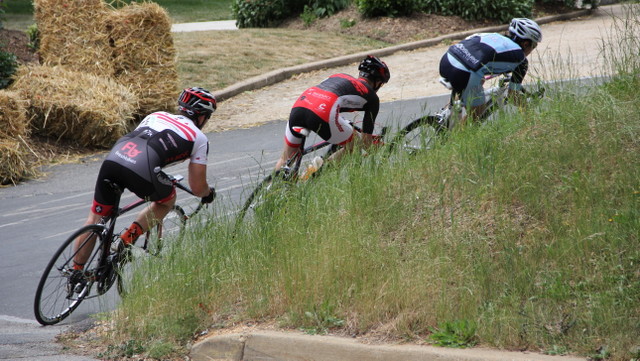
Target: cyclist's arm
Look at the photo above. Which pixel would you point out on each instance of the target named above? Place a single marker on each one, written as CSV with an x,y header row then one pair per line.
x,y
198,179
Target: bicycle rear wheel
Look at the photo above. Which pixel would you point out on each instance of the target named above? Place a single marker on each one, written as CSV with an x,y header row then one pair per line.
x,y
61,288
418,135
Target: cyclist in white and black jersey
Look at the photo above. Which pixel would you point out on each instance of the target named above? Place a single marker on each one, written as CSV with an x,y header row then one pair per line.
x,y
161,139
466,63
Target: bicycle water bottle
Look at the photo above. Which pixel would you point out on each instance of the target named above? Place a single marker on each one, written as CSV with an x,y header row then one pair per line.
x,y
313,167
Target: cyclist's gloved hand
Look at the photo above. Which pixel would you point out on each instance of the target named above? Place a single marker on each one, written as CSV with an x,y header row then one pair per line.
x,y
210,197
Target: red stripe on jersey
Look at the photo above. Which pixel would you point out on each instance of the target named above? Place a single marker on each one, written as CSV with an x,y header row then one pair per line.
x,y
188,132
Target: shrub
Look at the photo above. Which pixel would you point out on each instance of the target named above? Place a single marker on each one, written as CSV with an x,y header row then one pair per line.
x,y
8,66
307,16
502,10
592,4
323,8
392,8
259,13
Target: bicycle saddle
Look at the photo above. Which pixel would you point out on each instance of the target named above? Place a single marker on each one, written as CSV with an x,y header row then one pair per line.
x,y
446,83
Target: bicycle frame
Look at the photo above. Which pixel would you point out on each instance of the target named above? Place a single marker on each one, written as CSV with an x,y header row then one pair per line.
x,y
109,222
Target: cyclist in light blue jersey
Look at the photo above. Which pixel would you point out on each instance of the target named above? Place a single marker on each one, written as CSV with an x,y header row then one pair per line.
x,y
466,63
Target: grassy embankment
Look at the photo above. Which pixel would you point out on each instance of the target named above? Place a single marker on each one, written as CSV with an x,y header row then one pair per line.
x,y
519,234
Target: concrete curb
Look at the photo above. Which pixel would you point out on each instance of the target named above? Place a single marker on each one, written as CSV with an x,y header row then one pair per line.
x,y
279,75
281,346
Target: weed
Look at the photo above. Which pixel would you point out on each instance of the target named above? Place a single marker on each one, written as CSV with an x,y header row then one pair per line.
x,y
321,319
459,334
557,350
34,37
126,349
347,23
308,16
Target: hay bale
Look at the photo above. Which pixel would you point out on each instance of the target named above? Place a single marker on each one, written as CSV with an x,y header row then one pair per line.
x,y
72,33
15,161
143,54
87,109
13,115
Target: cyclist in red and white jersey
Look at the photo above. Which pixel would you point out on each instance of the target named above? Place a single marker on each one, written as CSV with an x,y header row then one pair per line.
x,y
161,139
318,108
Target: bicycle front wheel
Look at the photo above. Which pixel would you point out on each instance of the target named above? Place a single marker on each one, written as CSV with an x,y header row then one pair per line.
x,y
418,135
260,201
61,288
156,240
166,232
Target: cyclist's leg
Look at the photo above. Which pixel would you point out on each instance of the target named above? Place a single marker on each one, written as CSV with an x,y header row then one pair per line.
x,y
465,82
162,197
292,139
473,96
340,132
104,200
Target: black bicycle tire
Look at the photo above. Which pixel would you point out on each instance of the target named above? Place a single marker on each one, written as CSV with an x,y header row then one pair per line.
x,y
180,217
259,188
153,245
427,120
40,291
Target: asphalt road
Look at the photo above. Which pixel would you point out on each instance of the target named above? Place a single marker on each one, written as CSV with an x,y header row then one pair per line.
x,y
37,216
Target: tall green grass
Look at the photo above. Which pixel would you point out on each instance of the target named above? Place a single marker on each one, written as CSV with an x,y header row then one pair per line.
x,y
526,228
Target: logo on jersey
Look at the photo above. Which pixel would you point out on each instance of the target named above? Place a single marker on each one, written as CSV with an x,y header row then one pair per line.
x,y
131,150
361,88
322,107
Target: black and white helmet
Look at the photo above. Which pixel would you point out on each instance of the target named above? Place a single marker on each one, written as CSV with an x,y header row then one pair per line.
x,y
196,102
526,29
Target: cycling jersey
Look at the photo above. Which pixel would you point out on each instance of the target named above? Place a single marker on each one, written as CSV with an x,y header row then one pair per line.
x,y
465,64
318,109
161,139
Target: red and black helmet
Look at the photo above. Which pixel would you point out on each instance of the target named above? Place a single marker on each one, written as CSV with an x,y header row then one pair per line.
x,y
196,102
374,69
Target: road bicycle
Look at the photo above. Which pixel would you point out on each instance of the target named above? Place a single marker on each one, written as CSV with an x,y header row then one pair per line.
x,y
293,170
61,288
420,134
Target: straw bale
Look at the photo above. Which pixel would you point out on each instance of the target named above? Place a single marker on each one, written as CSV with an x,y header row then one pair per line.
x,y
13,115
144,55
72,33
15,160
87,109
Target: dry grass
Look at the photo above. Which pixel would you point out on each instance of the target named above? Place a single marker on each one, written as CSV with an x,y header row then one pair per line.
x,y
226,57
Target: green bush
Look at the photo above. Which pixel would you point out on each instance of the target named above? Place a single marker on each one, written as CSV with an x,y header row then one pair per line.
x,y
259,13
266,13
572,3
392,8
502,10
323,8
8,65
